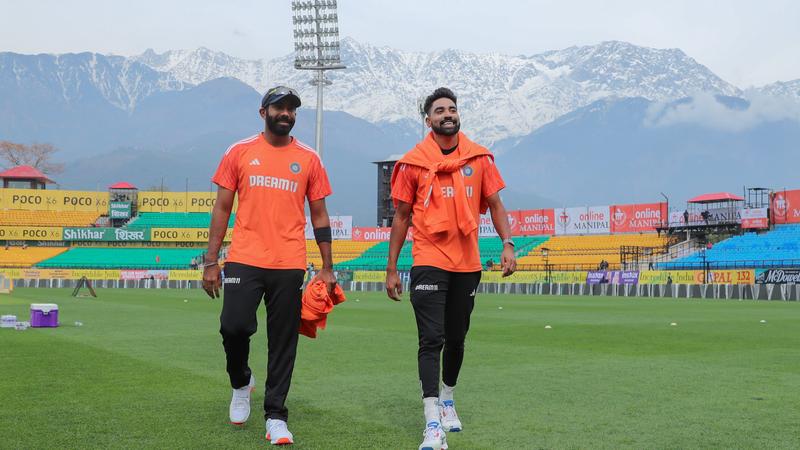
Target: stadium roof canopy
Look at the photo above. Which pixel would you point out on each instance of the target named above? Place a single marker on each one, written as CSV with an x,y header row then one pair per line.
x,y
390,158
25,173
122,185
717,197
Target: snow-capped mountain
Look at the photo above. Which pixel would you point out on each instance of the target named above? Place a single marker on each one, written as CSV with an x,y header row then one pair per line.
x,y
501,96
789,90
120,81
589,112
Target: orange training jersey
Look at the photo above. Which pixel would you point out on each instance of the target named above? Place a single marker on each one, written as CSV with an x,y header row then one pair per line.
x,y
450,250
272,184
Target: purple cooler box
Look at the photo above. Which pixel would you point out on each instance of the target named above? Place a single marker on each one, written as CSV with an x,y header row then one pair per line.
x,y
44,315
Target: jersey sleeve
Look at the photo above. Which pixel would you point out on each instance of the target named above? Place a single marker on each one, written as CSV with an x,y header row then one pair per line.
x,y
227,174
491,182
404,187
318,185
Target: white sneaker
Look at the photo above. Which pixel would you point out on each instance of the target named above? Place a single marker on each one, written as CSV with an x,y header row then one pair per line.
x,y
433,438
239,410
447,411
277,433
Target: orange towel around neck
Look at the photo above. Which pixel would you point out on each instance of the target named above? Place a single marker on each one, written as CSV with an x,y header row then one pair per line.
x,y
429,157
317,303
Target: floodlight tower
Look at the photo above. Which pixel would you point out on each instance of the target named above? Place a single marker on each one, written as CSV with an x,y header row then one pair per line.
x,y
316,45
422,113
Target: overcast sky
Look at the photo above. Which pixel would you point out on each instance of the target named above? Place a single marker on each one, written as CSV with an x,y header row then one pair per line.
x,y
746,42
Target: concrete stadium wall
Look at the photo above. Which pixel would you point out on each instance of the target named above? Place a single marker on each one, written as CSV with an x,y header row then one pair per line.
x,y
114,284
785,292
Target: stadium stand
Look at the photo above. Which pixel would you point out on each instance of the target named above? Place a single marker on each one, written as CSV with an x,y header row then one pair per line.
x,y
27,257
492,248
374,257
48,218
777,248
342,251
586,252
122,258
175,220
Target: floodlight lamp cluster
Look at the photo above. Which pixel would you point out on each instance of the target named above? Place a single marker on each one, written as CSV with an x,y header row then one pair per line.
x,y
316,34
310,19
297,6
325,56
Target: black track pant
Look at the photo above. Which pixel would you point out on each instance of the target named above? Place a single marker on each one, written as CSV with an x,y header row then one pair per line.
x,y
443,302
244,287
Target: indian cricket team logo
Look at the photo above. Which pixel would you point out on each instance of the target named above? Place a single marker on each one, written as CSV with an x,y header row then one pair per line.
x,y
467,171
294,167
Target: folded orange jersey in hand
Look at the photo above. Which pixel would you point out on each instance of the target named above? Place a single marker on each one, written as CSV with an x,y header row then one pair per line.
x,y
317,303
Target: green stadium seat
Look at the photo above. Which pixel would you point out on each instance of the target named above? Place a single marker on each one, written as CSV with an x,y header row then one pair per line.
x,y
376,256
123,258
175,220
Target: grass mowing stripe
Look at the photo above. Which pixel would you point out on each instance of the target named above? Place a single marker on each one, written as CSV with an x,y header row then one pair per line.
x,y
147,371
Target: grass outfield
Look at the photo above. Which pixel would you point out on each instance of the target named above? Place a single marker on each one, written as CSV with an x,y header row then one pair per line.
x,y
146,370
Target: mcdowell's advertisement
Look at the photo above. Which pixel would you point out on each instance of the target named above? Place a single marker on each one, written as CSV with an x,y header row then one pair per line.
x,y
778,276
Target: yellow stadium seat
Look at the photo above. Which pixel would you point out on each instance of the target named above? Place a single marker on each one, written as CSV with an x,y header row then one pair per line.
x,y
47,218
588,251
19,257
342,251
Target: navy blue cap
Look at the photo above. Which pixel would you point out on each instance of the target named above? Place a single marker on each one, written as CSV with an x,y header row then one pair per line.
x,y
277,94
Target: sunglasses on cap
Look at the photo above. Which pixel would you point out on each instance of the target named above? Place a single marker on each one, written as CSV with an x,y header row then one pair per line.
x,y
277,94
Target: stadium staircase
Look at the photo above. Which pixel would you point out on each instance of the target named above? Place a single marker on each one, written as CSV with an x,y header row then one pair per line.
x,y
677,251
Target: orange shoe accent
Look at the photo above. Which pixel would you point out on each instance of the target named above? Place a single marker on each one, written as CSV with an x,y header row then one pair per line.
x,y
281,441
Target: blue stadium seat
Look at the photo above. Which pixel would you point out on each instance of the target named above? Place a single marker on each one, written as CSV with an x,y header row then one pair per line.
x,y
778,247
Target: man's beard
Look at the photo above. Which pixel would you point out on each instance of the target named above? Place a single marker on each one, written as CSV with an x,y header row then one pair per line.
x,y
451,131
279,129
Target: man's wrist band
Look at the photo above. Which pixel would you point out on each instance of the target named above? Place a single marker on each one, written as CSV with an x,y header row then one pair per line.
x,y
323,234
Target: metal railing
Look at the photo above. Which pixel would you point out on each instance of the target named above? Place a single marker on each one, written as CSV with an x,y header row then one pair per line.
x,y
723,265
